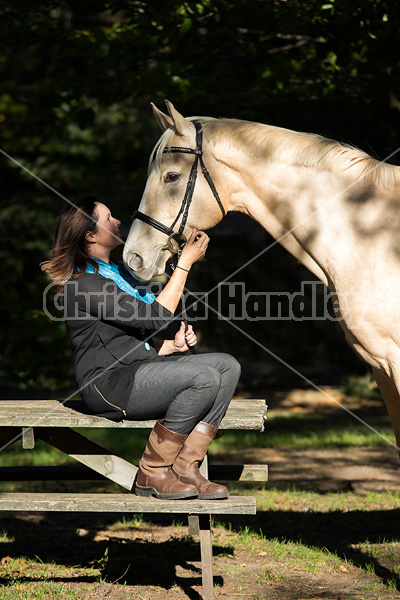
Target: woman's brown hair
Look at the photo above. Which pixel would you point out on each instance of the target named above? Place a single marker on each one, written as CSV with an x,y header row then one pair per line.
x,y
70,252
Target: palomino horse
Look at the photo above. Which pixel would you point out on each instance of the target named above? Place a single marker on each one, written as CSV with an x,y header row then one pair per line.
x,y
333,207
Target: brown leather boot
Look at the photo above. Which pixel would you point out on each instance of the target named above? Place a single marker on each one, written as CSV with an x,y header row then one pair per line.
x,y
186,465
155,476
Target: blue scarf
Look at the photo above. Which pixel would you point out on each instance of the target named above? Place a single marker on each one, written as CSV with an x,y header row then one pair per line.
x,y
120,275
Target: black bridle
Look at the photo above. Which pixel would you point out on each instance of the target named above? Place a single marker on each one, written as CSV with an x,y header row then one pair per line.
x,y
187,199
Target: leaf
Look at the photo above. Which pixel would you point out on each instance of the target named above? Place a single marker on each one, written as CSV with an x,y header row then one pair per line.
x,y
342,569
186,25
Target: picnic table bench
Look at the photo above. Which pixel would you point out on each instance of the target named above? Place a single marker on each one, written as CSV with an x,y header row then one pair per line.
x,y
53,421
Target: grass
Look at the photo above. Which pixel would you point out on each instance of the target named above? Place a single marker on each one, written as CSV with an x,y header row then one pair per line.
x,y
321,539
391,583
19,590
5,538
134,522
309,501
308,431
312,559
384,551
267,574
272,548
28,568
362,386
294,531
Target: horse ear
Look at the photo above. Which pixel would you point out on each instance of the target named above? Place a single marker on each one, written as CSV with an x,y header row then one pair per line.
x,y
162,119
183,127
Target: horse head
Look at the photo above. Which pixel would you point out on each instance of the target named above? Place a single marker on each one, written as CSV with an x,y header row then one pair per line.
x,y
167,215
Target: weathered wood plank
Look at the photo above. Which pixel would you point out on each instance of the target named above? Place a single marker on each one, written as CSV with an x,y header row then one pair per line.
x,y
204,467
82,473
127,503
242,414
194,526
90,454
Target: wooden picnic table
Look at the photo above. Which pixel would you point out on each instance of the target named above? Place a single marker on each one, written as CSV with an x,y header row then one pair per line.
x,y
54,422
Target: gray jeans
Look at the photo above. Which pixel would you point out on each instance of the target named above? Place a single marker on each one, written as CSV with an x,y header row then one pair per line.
x,y
184,390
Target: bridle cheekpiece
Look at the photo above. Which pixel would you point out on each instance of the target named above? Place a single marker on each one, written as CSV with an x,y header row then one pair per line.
x,y
178,236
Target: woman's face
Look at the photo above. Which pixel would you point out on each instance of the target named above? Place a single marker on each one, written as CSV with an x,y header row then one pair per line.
x,y
107,234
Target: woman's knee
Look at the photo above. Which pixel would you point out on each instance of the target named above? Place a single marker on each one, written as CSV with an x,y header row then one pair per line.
x,y
231,364
204,388
207,379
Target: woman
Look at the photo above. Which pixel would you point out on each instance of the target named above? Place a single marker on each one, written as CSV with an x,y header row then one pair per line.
x,y
121,372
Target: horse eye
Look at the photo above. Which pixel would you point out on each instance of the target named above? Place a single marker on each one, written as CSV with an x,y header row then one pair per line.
x,y
171,177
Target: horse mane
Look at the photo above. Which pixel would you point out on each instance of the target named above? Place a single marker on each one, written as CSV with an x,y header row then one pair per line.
x,y
289,147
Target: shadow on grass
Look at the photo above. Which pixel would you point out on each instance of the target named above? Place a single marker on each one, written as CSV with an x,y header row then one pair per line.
x,y
55,540
142,562
338,532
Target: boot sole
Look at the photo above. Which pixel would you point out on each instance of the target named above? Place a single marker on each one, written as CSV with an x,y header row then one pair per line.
x,y
147,492
220,496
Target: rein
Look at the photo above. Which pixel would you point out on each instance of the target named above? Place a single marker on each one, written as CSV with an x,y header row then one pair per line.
x,y
178,236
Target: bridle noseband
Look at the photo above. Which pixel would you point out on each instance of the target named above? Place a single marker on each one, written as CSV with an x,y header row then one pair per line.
x,y
187,199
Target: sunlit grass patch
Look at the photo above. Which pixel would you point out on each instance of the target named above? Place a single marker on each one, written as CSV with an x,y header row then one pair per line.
x,y
291,555
311,501
309,532
5,537
307,431
383,553
133,522
19,590
310,559
269,574
24,569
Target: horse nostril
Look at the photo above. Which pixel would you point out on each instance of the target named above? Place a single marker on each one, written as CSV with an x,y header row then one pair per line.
x,y
135,261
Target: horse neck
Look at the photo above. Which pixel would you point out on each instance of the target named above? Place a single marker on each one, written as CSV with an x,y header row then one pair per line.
x,y
300,206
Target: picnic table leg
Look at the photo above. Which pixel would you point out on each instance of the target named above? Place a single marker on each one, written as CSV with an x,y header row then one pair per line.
x,y
206,556
193,521
28,438
201,525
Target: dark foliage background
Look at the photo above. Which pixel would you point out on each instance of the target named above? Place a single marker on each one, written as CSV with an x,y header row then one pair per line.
x,y
76,82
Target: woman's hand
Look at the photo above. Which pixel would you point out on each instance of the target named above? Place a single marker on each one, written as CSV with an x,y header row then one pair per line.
x,y
194,249
184,339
